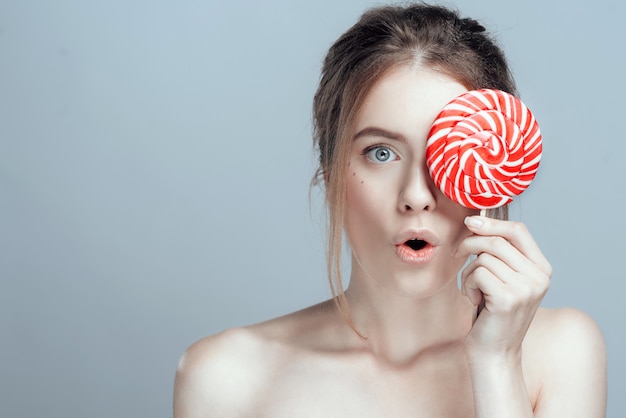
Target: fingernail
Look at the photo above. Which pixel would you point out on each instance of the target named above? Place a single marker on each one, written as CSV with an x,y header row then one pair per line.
x,y
473,221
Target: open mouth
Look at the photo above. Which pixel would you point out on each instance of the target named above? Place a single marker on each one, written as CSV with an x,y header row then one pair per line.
x,y
416,244
416,251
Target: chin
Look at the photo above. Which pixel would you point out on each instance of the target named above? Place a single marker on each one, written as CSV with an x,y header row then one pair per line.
x,y
420,285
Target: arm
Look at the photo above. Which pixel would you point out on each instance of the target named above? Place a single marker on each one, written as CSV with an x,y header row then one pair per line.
x,y
574,375
511,275
499,388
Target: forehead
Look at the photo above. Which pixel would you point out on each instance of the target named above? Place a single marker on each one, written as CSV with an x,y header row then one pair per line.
x,y
407,100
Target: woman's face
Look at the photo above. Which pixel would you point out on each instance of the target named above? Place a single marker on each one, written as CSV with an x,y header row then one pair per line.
x,y
401,228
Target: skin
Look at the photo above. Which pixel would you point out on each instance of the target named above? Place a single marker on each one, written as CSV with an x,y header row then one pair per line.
x,y
422,356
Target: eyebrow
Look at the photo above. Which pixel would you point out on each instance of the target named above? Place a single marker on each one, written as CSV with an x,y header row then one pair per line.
x,y
374,131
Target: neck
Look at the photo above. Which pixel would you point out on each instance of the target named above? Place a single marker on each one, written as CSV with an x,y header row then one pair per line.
x,y
398,328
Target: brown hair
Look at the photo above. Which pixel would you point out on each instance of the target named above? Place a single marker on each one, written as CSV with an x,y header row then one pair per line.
x,y
384,37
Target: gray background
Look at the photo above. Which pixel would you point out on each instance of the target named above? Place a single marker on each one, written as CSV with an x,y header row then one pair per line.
x,y
155,158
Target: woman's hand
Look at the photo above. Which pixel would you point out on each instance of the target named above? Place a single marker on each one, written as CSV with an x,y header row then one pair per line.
x,y
510,275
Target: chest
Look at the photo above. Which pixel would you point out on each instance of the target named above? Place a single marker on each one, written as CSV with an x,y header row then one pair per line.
x,y
359,389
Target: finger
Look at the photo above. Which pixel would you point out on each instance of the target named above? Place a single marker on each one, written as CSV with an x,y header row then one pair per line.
x,y
496,246
499,269
481,283
514,232
484,279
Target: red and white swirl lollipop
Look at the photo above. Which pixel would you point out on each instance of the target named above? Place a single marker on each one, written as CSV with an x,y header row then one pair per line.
x,y
483,149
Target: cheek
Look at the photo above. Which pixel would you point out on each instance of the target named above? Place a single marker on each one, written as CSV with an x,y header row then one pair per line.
x,y
456,214
366,200
461,232
367,189
359,195
453,210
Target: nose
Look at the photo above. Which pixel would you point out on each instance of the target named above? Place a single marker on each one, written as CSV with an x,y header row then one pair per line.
x,y
417,192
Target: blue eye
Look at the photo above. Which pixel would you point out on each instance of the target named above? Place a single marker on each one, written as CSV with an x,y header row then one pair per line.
x,y
380,154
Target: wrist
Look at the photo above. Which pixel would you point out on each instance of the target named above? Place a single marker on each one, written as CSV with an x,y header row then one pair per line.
x,y
493,358
498,384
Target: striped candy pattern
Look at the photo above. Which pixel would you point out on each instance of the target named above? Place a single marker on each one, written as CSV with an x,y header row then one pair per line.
x,y
483,148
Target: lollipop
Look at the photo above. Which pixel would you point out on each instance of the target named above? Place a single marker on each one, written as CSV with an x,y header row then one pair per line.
x,y
483,148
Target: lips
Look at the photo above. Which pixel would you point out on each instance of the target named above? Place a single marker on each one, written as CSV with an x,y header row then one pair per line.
x,y
416,246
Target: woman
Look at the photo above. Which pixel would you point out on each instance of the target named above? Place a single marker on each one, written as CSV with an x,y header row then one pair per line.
x,y
402,340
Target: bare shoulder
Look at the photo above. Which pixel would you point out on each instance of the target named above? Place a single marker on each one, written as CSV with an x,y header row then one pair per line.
x,y
229,374
554,330
568,355
217,374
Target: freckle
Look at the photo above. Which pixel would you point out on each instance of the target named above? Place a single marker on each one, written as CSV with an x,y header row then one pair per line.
x,y
354,173
361,181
